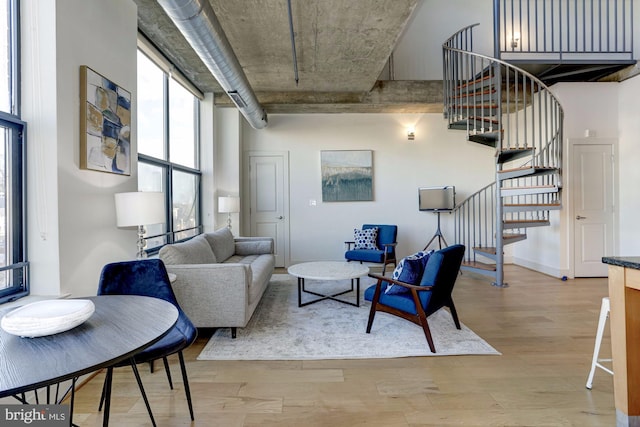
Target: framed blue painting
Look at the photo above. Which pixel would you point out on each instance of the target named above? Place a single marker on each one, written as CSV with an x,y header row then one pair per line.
x,y
347,175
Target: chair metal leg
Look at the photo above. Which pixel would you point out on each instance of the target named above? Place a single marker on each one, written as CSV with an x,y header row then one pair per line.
x,y
144,395
168,371
107,396
595,361
233,333
185,380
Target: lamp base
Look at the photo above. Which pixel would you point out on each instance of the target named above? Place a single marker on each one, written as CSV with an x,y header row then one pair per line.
x,y
142,254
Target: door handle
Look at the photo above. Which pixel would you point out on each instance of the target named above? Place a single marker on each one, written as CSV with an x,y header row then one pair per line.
x,y
578,217
280,217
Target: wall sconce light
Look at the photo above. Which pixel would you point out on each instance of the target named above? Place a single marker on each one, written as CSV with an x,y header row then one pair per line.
x,y
515,39
411,133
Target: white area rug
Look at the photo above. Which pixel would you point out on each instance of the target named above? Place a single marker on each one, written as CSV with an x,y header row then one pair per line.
x,y
280,330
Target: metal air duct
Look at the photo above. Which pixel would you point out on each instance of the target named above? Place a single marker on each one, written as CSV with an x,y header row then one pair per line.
x,y
199,25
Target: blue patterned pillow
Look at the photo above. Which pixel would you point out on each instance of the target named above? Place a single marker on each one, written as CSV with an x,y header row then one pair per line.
x,y
409,270
365,239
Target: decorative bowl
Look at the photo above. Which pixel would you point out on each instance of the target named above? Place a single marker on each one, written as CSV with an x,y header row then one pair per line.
x,y
48,317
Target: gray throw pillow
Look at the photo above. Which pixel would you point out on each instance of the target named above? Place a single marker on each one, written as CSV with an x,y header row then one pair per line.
x,y
193,251
222,243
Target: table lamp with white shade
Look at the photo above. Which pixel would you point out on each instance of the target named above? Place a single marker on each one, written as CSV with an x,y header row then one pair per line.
x,y
137,209
228,205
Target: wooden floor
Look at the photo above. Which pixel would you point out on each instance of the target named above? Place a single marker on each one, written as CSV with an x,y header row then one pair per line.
x,y
544,328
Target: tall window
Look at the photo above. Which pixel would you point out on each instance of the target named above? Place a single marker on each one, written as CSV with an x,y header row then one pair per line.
x,y
168,147
13,259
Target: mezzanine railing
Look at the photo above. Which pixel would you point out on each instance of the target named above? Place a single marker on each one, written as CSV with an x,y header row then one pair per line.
x,y
563,29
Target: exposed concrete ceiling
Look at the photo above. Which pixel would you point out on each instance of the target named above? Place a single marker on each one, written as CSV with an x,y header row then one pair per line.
x,y
342,48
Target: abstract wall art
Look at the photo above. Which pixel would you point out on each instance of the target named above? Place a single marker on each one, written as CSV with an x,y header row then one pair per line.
x,y
105,124
347,175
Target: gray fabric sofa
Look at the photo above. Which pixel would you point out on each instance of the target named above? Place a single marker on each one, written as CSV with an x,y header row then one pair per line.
x,y
220,279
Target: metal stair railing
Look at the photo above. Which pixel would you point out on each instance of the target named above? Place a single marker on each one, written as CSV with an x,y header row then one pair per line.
x,y
564,29
510,109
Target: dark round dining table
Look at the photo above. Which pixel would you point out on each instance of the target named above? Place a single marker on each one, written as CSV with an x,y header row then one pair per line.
x,y
120,327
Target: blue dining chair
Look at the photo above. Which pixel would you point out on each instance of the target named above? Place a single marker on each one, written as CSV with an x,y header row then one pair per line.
x,y
431,291
149,278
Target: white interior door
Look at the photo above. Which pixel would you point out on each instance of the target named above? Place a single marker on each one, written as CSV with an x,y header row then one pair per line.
x,y
593,201
269,207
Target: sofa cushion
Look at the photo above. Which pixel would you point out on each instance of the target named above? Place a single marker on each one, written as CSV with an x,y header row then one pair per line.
x,y
252,247
193,251
222,243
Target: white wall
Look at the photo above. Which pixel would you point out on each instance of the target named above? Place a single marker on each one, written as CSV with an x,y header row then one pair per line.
x,y
39,110
71,218
418,54
592,106
72,229
629,166
438,156
228,162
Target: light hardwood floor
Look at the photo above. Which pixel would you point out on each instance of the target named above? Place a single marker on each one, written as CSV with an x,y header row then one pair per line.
x,y
544,328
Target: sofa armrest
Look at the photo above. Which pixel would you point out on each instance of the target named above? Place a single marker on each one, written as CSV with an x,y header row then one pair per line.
x,y
253,245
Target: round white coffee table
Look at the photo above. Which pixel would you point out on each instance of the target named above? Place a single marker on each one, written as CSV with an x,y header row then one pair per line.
x,y
328,271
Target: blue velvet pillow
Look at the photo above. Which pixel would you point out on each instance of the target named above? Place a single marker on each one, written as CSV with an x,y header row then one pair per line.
x,y
409,270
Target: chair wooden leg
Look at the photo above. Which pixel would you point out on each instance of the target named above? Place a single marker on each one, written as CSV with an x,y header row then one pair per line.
x,y
422,317
454,314
372,314
374,304
233,333
185,380
168,371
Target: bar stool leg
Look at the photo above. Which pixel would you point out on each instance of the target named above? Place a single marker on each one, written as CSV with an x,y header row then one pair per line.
x,y
595,361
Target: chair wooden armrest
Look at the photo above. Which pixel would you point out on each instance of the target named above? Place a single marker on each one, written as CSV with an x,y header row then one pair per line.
x,y
349,244
388,279
387,246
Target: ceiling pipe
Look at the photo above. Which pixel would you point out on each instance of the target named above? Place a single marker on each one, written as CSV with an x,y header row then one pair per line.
x,y
199,25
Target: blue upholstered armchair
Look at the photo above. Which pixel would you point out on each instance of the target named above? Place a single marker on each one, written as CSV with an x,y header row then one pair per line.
x,y
375,243
430,291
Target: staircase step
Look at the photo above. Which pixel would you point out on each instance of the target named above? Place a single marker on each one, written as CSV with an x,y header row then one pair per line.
x,y
488,270
479,95
508,238
510,154
528,207
487,138
487,81
525,223
525,190
526,171
485,249
481,124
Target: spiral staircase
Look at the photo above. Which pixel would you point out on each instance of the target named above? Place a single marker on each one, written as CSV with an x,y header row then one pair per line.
x,y
504,107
